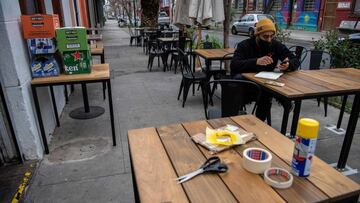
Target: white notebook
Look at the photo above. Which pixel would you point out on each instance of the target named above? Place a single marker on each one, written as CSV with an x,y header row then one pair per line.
x,y
268,75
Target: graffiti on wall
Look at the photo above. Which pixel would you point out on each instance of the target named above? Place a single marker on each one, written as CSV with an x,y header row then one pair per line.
x,y
300,19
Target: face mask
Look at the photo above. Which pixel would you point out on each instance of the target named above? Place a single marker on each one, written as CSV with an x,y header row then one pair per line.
x,y
264,45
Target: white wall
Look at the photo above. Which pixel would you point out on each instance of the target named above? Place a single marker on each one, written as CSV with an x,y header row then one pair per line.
x,y
91,13
67,13
48,7
16,77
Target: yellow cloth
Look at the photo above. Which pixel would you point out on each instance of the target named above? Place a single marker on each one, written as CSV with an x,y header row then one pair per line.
x,y
265,25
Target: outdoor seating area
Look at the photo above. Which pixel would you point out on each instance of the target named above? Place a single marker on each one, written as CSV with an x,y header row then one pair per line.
x,y
162,103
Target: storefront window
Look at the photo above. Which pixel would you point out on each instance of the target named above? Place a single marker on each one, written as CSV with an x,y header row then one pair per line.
x,y
309,5
357,6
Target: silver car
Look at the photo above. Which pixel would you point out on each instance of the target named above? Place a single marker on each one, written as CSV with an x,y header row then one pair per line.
x,y
248,22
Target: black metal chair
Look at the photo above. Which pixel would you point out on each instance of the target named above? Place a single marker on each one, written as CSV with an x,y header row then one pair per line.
x,y
234,97
190,77
300,52
220,74
134,35
320,59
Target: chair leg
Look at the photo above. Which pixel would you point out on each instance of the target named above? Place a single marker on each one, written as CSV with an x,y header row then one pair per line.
x,y
268,118
181,87
187,85
325,105
344,100
176,63
204,97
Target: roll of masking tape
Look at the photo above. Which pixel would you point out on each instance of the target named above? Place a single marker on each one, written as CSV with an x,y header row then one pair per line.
x,y
278,178
256,160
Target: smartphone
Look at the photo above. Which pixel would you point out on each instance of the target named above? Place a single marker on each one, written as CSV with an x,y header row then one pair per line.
x,y
283,62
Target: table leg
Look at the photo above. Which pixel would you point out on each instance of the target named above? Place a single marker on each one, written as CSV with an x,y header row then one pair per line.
x,y
345,149
85,98
72,89
54,106
338,125
295,118
41,125
287,106
111,113
66,94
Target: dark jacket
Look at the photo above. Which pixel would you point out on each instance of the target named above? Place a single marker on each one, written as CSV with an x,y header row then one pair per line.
x,y
247,52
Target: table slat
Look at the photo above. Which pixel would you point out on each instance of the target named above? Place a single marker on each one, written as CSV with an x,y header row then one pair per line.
x,y
301,191
98,72
238,180
149,157
327,179
186,157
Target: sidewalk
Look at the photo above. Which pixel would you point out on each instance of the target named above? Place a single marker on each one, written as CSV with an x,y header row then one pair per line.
x,y
83,166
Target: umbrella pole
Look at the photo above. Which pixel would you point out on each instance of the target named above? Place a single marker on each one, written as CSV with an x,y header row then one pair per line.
x,y
198,46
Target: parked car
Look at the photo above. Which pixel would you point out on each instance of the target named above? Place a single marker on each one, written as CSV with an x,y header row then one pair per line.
x,y
353,38
164,19
248,22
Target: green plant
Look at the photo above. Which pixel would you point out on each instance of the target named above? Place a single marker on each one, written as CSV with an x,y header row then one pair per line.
x,y
319,44
282,35
343,53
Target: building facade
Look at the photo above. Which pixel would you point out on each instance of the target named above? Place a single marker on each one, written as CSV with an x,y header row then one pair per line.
x,y
308,15
19,133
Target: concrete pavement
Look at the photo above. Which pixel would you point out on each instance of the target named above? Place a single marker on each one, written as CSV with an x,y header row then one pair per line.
x,y
83,166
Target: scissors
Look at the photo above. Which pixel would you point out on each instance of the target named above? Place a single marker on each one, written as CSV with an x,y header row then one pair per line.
x,y
211,165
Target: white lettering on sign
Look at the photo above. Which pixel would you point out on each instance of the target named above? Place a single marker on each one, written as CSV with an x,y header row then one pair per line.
x,y
343,5
71,68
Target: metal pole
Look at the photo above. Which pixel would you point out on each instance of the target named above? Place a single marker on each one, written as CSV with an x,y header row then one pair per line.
x,y
135,23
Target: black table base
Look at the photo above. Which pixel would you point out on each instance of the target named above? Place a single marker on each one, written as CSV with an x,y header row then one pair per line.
x,y
80,113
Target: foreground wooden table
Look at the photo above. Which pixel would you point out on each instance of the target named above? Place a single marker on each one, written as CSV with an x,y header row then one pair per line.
x,y
161,154
309,84
99,73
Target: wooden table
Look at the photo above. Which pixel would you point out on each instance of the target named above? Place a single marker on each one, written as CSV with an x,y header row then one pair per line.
x,y
159,155
94,37
97,49
309,84
99,73
95,29
214,55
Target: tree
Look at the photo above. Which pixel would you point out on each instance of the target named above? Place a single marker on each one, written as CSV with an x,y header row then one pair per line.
x,y
150,13
227,12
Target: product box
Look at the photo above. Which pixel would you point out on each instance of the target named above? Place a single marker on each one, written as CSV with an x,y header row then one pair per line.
x,y
71,39
43,66
39,25
76,62
41,46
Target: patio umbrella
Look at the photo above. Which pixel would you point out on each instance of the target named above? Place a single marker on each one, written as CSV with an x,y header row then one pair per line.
x,y
181,13
204,12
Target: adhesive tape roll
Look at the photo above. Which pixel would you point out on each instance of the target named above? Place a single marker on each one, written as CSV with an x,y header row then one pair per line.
x,y
256,160
270,172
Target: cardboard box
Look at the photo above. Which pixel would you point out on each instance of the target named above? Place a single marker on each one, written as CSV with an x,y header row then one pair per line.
x,y
44,66
72,39
39,25
41,46
77,62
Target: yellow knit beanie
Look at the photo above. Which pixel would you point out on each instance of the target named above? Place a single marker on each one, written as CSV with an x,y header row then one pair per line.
x,y
265,25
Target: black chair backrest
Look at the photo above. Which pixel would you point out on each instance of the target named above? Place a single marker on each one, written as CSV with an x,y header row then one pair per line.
x,y
319,59
235,94
300,52
184,65
207,45
226,57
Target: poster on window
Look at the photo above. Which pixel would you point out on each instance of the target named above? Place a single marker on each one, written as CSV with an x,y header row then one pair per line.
x,y
343,5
